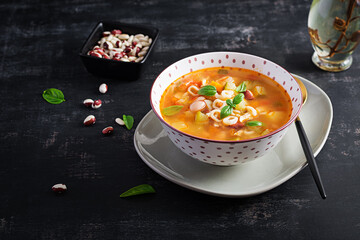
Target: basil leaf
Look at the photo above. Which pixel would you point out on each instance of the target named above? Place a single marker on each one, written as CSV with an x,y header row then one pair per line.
x,y
225,111
241,87
138,190
207,90
229,102
172,110
129,121
223,71
254,123
238,98
53,96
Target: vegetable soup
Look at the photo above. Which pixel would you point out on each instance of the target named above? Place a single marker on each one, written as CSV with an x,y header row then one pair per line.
x,y
225,104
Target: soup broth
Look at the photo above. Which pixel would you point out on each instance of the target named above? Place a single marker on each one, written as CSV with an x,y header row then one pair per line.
x,y
225,104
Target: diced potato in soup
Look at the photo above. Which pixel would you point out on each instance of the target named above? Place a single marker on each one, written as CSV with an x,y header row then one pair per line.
x,y
226,104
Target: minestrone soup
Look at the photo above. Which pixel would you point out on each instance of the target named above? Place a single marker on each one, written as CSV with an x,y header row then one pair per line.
x,y
225,104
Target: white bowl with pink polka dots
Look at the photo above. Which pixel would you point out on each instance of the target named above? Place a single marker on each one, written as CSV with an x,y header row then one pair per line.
x,y
225,153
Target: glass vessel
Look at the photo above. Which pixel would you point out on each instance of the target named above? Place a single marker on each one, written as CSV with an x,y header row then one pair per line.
x,y
334,28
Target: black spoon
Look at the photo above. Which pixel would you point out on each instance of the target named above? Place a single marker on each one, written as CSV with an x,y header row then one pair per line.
x,y
306,145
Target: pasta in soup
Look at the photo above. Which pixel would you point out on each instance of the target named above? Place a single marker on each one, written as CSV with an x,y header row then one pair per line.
x,y
225,104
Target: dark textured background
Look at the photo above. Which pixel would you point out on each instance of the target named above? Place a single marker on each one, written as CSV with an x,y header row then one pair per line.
x,y
44,144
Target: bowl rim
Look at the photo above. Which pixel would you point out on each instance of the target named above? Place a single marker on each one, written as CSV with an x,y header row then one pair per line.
x,y
124,24
287,124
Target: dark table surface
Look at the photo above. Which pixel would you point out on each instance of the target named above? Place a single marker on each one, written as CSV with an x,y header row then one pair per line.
x,y
44,144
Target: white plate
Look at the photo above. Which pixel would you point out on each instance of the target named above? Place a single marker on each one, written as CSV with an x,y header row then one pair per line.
x,y
255,177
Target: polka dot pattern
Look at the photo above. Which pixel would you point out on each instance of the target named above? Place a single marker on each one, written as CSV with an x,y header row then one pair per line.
x,y
222,153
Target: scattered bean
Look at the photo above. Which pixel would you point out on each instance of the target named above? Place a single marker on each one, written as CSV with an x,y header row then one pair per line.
x,y
59,188
96,104
103,88
88,102
119,121
108,130
89,120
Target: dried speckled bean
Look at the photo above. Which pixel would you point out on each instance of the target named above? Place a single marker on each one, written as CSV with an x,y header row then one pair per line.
x,y
123,36
120,46
139,59
139,35
142,53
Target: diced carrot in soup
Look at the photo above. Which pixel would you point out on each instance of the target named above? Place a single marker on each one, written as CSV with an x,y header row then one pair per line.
x,y
269,110
219,87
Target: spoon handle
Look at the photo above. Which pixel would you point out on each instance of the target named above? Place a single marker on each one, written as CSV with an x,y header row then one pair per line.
x,y
310,157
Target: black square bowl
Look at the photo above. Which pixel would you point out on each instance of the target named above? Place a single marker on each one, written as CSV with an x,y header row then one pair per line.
x,y
111,68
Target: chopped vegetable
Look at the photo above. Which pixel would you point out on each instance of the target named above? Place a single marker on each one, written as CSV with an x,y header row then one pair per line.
x,y
249,84
184,99
241,87
230,86
241,106
217,85
259,91
179,95
276,115
201,117
266,131
172,110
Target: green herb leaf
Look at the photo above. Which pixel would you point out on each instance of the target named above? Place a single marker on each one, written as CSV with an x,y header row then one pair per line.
x,y
223,71
53,96
241,87
207,90
229,102
225,111
238,98
254,123
172,110
129,121
138,190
